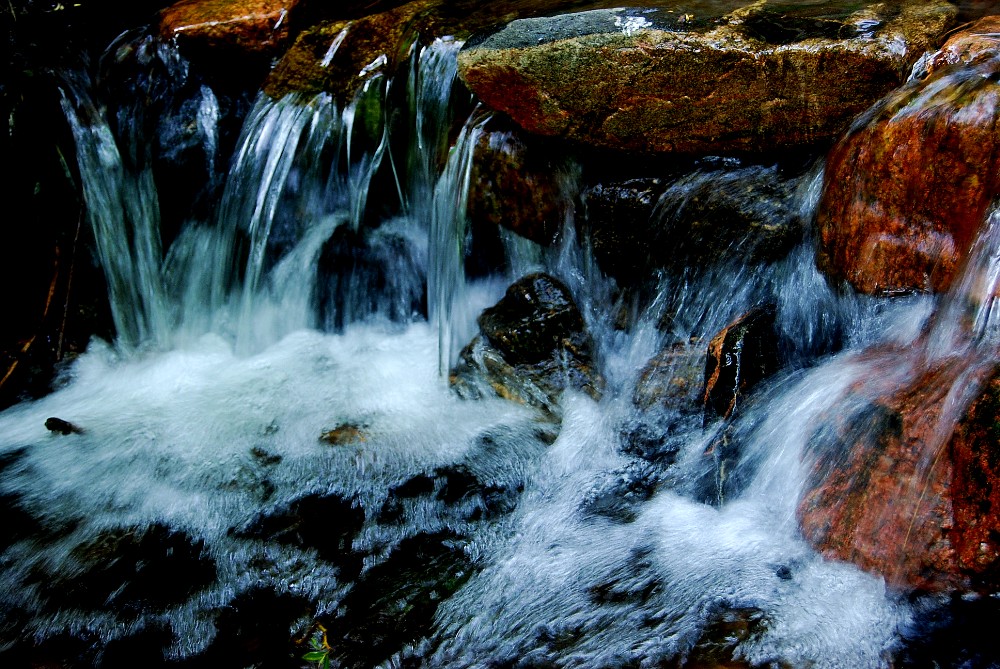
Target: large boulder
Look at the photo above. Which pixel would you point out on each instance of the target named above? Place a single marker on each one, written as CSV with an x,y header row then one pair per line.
x,y
908,485
653,79
906,191
533,345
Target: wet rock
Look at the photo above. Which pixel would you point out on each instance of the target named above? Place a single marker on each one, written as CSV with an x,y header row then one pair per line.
x,y
394,602
905,192
61,426
909,485
250,26
132,569
761,77
253,631
618,494
339,56
327,524
726,630
370,272
710,216
345,434
519,183
971,45
740,356
532,345
673,378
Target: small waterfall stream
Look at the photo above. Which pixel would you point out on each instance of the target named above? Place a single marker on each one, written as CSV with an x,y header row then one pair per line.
x,y
208,432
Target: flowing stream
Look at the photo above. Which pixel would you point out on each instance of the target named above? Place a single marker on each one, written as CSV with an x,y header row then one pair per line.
x,y
195,479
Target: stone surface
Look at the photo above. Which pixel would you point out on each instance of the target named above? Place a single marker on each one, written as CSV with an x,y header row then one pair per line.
x,y
903,488
339,56
760,77
251,26
712,215
532,345
906,191
519,184
740,356
973,44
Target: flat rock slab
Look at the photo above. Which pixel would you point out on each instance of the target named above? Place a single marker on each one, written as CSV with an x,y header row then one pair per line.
x,y
748,77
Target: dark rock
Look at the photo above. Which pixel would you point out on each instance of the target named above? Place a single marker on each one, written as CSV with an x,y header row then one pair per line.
x,y
394,602
761,77
132,569
742,355
726,630
327,524
906,191
711,216
900,490
369,273
533,345
61,426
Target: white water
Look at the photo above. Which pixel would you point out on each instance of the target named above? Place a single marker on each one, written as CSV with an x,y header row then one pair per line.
x,y
222,369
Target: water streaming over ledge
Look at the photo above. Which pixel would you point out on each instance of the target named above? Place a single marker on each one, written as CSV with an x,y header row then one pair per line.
x,y
199,426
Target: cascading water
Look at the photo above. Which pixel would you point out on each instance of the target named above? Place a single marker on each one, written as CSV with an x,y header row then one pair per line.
x,y
283,436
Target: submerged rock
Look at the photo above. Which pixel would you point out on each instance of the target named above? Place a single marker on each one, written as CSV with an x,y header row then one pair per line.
x,y
760,77
906,191
532,345
61,426
909,485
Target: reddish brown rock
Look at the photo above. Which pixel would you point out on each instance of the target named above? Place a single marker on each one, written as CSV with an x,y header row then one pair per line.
x,y
904,489
338,56
761,77
906,191
519,184
252,26
973,44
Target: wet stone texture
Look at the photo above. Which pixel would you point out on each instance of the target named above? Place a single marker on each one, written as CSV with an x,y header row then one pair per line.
x,y
251,26
653,80
895,494
713,215
906,190
533,344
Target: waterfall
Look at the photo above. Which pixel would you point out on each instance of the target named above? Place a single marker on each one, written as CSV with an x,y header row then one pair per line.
x,y
272,421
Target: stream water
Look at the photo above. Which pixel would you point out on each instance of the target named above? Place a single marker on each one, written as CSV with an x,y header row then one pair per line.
x,y
195,480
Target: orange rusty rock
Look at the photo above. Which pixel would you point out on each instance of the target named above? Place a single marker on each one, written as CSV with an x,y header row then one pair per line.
x,y
975,43
907,490
253,26
907,189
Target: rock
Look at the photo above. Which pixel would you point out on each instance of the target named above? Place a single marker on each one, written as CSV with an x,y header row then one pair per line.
x,y
909,485
712,215
673,378
520,184
133,569
339,56
345,434
740,356
532,345
971,45
61,426
250,26
347,44
327,524
762,77
906,191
